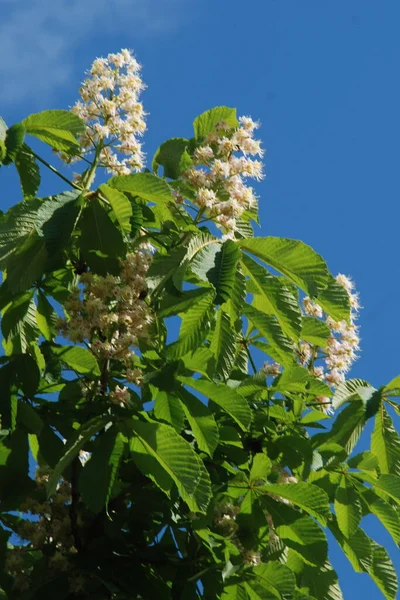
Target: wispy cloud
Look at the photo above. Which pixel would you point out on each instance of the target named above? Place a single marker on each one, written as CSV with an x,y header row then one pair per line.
x,y
41,40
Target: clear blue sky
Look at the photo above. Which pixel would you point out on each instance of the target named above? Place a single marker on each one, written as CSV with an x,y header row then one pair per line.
x,y
323,78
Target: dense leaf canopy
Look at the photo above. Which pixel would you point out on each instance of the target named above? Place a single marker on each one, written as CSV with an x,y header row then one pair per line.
x,y
144,451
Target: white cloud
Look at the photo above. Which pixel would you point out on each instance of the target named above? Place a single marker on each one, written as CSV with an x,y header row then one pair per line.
x,y
41,40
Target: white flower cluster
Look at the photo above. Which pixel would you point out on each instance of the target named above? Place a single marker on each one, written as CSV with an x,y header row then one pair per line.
x,y
110,315
113,114
342,346
218,175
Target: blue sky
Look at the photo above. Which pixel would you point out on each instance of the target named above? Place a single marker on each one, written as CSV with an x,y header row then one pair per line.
x,y
322,77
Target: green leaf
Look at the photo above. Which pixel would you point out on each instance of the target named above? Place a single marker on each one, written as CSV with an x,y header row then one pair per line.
x,y
178,459
223,345
15,227
195,324
56,219
352,389
315,331
347,428
72,447
393,387
27,265
3,130
306,538
121,206
46,317
171,304
274,298
173,156
385,443
293,258
14,140
77,358
200,255
366,461
385,512
272,577
307,496
280,346
357,548
99,473
347,507
260,468
335,300
28,171
15,312
58,128
383,572
145,185
227,398
101,241
222,274
206,122
201,421
168,408
322,582
298,379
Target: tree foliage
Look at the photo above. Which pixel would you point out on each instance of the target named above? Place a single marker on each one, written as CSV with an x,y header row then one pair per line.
x,y
144,456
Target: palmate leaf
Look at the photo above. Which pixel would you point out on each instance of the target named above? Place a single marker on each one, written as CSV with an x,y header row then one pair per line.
x,y
122,208
386,486
385,512
315,331
300,263
280,346
97,478
227,398
168,408
28,171
208,120
173,156
178,459
322,583
393,387
72,447
200,256
352,389
56,219
15,226
383,572
347,507
195,324
357,547
101,243
222,274
385,442
172,304
306,538
334,300
223,345
274,578
234,305
77,358
235,592
307,496
13,142
346,429
201,422
145,185
58,128
274,298
46,317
